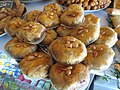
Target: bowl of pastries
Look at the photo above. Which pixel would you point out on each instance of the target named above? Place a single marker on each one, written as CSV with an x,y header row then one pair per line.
x,y
61,45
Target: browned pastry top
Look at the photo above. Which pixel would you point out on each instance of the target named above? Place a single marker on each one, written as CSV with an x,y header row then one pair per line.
x,y
36,65
65,77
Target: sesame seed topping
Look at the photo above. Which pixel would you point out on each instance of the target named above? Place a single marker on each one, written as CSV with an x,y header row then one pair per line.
x,y
82,35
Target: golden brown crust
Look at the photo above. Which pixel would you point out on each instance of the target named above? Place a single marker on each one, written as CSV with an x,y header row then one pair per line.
x,y
69,77
118,44
50,36
74,7
32,15
92,18
89,31
99,57
115,20
116,4
13,25
117,30
107,36
68,50
72,16
48,19
4,12
54,7
19,49
36,65
31,32
3,23
63,30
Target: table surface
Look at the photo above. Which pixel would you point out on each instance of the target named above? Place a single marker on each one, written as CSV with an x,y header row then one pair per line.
x,y
39,6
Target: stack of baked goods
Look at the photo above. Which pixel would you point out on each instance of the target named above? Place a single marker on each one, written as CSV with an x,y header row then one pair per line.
x,y
114,14
6,14
86,4
76,44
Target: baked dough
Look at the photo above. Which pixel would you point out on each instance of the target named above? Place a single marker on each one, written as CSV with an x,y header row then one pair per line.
x,y
54,7
68,50
89,31
113,11
99,57
116,4
48,19
115,20
36,65
32,15
118,44
63,30
74,77
19,50
13,25
92,18
73,7
49,37
31,32
3,23
73,15
117,30
107,36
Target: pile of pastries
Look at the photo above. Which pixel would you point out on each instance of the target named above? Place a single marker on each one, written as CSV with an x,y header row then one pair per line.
x,y
114,14
7,14
86,4
62,45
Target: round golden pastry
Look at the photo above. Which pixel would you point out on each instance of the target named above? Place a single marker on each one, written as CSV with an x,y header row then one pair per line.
x,y
74,77
99,57
73,16
107,36
118,44
32,15
63,30
117,30
19,49
89,31
54,7
48,19
49,37
68,50
13,25
31,32
36,65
